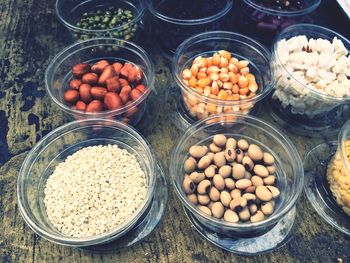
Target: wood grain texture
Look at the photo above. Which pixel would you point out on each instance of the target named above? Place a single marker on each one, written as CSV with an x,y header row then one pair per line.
x,y
29,37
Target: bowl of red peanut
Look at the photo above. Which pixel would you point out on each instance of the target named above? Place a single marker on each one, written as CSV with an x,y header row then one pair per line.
x,y
101,78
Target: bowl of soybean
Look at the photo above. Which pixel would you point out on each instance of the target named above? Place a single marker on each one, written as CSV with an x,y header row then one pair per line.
x,y
90,19
243,236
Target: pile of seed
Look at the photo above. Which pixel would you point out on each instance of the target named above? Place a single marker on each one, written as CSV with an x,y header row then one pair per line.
x,y
94,190
339,179
231,179
108,19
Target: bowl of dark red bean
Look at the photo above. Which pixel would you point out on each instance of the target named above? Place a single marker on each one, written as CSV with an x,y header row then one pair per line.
x,y
262,19
238,180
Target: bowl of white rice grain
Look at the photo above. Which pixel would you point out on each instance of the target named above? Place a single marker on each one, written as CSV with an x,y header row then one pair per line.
x,y
87,183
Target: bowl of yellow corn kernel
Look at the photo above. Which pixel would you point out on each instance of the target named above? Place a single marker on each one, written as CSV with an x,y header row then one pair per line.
x,y
327,180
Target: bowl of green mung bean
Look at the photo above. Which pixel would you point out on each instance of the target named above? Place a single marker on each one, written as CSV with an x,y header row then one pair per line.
x,y
95,18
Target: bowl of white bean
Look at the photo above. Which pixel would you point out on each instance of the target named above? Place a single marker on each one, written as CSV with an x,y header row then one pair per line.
x,y
87,183
238,180
312,71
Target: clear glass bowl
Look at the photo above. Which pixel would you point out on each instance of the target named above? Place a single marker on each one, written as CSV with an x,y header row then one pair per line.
x,y
264,23
53,149
69,13
175,21
241,47
289,169
58,74
304,106
317,187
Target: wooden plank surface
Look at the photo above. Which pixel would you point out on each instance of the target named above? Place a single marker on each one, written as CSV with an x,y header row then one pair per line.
x,y
30,35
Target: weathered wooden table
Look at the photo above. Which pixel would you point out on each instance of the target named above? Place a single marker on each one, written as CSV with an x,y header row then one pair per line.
x,y
30,36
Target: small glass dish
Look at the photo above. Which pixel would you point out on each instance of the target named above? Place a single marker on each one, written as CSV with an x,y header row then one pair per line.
x,y
298,106
64,141
58,75
244,238
175,21
206,44
324,194
69,12
263,23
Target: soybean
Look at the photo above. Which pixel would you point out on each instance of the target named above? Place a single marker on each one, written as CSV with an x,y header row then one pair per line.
x,y
219,159
197,151
270,180
214,194
204,162
238,171
217,210
271,169
263,193
203,199
220,140
231,216
261,170
219,182
257,180
205,209
255,153
243,183
230,154
204,187
267,208
268,159
188,185
257,217
193,198
274,191
225,171
231,143
238,204
225,198
190,165
197,177
214,148
210,171
229,183
244,215
243,144
235,193
248,163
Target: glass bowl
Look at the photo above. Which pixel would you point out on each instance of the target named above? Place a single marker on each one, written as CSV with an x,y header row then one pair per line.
x,y
69,13
58,75
263,23
206,44
294,102
53,149
175,21
289,173
328,184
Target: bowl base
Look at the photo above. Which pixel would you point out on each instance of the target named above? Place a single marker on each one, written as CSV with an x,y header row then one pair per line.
x,y
317,188
145,225
275,238
180,116
327,124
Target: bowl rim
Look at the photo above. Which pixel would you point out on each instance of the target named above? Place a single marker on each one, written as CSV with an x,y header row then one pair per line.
x,y
272,11
90,43
135,20
103,237
315,29
235,226
197,21
212,35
